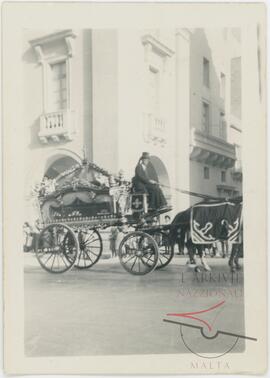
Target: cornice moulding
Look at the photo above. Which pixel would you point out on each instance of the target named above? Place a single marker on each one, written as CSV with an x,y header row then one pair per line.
x,y
52,37
157,46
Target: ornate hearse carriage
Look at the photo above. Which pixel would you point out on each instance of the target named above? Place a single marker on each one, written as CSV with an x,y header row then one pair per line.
x,y
80,202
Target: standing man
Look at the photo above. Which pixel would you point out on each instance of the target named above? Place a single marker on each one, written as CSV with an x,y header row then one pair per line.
x,y
224,237
143,183
113,238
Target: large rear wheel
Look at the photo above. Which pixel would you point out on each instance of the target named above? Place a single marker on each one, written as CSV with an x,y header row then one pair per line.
x,y
57,248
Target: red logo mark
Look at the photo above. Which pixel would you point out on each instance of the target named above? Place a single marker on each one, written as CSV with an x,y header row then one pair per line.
x,y
189,315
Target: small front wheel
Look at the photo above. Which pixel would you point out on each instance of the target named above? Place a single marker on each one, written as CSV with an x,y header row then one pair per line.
x,y
138,253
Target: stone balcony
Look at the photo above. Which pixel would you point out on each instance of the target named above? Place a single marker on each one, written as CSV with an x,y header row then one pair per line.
x,y
57,126
208,149
227,191
154,129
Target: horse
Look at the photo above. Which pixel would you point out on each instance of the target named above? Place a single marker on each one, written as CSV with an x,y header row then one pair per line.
x,y
233,263
180,232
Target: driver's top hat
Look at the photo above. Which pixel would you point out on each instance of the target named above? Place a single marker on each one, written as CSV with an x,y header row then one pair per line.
x,y
145,155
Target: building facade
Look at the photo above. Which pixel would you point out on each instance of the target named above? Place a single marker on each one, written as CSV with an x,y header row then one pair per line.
x,y
215,111
111,94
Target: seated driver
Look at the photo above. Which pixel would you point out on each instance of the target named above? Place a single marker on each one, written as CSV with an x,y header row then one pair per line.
x,y
143,183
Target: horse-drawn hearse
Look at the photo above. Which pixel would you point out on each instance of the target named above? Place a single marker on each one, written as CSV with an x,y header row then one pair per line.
x,y
80,202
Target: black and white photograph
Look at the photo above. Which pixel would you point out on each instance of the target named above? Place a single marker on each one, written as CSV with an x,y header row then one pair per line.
x,y
133,216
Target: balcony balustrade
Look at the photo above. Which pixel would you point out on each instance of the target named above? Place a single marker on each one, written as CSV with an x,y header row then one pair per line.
x,y
57,126
154,129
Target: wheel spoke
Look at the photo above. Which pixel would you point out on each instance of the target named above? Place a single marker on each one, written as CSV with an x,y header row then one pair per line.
x,y
134,262
53,261
62,257
147,262
89,256
58,262
92,241
93,253
79,257
165,257
84,260
48,258
149,258
88,249
132,257
89,238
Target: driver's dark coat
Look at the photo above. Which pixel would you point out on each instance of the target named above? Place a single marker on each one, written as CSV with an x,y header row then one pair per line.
x,y
141,183
141,180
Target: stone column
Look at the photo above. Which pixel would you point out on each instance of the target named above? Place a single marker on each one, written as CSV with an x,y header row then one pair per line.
x,y
105,98
182,116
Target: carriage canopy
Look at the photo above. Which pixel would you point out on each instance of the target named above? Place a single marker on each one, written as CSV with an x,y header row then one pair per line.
x,y
80,193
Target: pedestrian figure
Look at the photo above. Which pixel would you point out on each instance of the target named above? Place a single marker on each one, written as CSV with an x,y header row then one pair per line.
x,y
213,249
180,240
113,238
28,237
224,237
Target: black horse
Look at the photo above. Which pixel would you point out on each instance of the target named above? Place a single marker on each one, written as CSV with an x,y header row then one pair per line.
x,y
180,233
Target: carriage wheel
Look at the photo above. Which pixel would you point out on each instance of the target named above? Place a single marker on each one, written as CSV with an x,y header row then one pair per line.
x,y
166,251
57,248
138,253
90,248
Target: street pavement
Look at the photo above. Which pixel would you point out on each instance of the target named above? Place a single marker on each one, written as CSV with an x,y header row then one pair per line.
x,y
106,311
